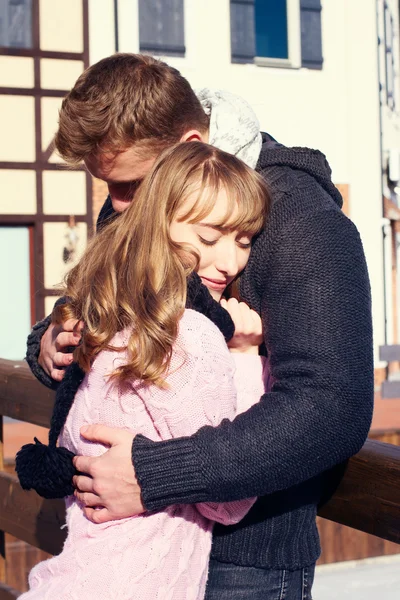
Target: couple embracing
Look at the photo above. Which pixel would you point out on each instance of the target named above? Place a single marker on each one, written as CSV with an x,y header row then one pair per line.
x,y
223,362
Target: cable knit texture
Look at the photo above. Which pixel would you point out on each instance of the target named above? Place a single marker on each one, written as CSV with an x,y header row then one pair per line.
x,y
162,555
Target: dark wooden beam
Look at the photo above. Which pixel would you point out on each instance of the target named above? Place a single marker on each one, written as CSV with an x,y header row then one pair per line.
x,y
22,396
368,496
37,53
40,164
32,219
30,518
35,91
8,593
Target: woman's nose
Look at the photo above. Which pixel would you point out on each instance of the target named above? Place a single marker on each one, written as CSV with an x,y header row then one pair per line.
x,y
228,262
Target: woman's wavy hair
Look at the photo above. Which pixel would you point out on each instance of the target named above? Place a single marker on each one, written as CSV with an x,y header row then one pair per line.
x,y
133,275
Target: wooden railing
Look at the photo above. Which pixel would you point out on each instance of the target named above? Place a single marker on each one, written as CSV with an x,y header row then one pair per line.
x,y
367,497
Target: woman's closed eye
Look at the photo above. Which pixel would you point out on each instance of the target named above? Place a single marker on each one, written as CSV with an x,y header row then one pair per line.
x,y
244,241
207,242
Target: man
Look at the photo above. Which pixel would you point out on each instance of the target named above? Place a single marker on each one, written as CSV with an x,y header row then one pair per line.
x,y
306,277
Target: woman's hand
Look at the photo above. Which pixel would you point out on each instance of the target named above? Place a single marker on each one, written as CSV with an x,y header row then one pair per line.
x,y
248,327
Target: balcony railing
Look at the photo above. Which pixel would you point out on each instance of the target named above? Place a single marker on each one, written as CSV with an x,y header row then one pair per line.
x,y
367,497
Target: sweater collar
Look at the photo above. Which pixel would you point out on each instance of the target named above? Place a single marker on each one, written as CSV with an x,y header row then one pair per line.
x,y
310,161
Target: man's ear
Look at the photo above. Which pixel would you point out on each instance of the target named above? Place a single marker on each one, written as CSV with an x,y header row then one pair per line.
x,y
194,135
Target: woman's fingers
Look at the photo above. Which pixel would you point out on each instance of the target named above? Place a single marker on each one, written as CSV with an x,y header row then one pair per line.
x,y
248,327
257,324
242,316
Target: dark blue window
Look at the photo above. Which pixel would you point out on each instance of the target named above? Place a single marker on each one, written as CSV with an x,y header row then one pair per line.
x,y
16,23
161,27
260,28
271,28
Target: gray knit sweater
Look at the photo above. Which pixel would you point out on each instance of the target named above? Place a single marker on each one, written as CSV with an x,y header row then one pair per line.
x,y
308,279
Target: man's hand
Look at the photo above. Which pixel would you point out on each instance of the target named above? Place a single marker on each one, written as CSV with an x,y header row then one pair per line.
x,y
248,327
110,491
52,358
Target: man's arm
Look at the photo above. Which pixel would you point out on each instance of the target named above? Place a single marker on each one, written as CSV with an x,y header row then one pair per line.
x,y
317,315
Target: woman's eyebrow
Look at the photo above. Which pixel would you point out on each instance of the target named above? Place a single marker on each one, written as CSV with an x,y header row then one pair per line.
x,y
220,228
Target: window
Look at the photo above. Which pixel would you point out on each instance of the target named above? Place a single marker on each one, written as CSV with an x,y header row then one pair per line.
x,y
161,27
285,33
16,23
271,29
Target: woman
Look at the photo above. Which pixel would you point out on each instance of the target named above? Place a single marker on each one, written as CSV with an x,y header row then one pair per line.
x,y
148,364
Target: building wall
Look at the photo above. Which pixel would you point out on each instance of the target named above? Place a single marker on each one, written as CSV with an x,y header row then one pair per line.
x,y
335,109
37,192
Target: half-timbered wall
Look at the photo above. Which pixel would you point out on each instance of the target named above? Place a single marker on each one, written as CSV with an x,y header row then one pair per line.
x,y
44,46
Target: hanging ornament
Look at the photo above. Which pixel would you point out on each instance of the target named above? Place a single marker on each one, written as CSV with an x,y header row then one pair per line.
x,y
72,238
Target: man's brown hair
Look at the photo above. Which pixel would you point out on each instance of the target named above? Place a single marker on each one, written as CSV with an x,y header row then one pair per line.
x,y
125,99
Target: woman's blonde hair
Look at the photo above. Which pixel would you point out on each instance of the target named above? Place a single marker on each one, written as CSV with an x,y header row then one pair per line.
x,y
134,275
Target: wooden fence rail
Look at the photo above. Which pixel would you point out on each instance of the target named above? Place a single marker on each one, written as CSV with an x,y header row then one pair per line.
x,y
367,497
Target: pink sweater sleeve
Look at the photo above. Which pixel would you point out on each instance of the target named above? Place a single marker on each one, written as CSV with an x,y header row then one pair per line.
x,y
201,392
252,380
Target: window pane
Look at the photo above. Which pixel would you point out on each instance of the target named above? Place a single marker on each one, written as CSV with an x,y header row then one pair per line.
x,y
271,28
15,298
161,29
16,23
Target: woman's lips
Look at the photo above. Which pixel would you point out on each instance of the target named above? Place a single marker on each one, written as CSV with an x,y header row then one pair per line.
x,y
214,284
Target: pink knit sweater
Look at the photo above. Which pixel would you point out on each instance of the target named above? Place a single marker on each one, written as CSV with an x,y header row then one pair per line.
x,y
163,555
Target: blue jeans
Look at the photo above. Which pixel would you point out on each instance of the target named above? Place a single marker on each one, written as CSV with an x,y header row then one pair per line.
x,y
230,582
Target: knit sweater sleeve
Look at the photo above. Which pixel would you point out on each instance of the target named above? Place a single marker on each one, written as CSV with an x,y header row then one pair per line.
x,y
316,312
33,350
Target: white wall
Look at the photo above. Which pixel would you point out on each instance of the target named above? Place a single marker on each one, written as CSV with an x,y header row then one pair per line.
x,y
335,109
